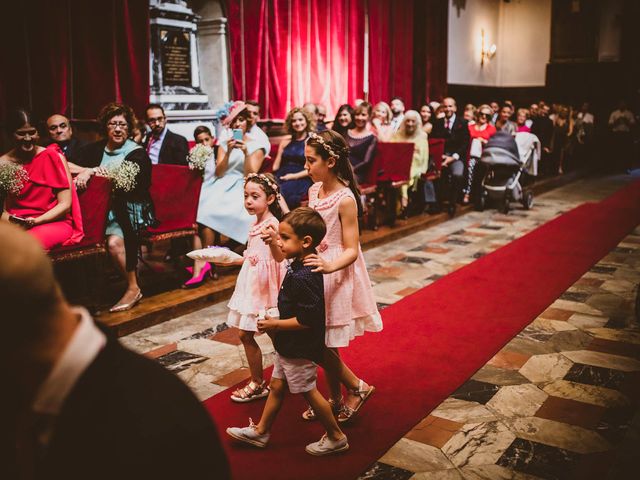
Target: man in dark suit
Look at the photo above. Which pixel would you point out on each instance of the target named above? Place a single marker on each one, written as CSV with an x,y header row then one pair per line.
x,y
455,131
61,132
163,146
77,404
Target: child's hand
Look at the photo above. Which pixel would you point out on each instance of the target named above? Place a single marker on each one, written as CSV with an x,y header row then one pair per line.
x,y
269,234
268,324
316,261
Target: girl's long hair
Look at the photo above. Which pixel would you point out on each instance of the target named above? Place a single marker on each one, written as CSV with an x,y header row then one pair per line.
x,y
340,149
270,186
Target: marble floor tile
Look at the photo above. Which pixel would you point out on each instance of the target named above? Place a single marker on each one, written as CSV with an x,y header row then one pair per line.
x,y
517,400
583,321
434,431
554,325
201,384
571,411
605,360
478,444
160,351
604,397
232,378
382,471
599,376
508,360
627,336
223,362
450,474
530,347
139,344
416,457
576,307
494,472
607,302
552,313
475,391
570,340
205,347
616,348
463,411
537,459
177,361
499,376
546,368
558,434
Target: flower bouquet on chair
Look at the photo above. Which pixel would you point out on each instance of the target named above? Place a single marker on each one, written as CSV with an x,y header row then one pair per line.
x,y
216,255
12,178
198,156
123,175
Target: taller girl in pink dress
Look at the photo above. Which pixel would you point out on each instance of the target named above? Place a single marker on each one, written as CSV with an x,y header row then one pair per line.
x,y
350,306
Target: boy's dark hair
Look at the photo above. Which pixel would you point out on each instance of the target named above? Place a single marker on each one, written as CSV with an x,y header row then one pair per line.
x,y
306,221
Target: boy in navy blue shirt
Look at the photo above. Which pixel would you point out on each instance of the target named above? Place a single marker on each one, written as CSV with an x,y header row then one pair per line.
x,y
298,336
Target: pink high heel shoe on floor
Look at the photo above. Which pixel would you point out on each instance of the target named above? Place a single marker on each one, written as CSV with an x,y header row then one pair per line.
x,y
199,280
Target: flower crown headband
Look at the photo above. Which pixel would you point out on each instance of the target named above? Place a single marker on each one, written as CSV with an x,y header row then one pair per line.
x,y
264,179
324,144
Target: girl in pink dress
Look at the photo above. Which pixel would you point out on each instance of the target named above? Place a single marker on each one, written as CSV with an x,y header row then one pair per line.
x,y
259,279
350,306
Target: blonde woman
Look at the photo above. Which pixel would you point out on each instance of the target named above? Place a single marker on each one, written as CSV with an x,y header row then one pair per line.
x,y
411,131
381,121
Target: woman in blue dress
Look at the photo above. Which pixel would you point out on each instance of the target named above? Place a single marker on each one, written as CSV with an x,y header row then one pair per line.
x,y
221,205
288,166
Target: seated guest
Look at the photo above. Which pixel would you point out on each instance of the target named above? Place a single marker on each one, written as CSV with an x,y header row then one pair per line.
x,y
288,166
411,131
561,139
495,108
503,122
322,114
44,201
470,113
222,208
397,113
162,145
138,132
79,404
256,133
362,142
522,119
542,127
312,113
344,120
61,133
131,210
455,132
426,114
381,122
480,133
206,236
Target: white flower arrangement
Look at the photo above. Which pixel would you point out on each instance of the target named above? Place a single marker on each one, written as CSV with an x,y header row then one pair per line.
x,y
198,156
123,175
12,178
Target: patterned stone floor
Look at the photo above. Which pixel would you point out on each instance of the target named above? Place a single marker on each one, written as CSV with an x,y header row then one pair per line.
x,y
559,401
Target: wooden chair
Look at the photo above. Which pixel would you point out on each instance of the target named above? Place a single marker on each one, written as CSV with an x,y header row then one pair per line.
x,y
391,170
175,191
94,206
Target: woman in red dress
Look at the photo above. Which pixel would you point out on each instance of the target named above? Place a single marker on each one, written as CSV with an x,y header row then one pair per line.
x,y
47,204
480,133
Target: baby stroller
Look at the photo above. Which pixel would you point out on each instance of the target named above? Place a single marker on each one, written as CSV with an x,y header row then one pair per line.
x,y
504,169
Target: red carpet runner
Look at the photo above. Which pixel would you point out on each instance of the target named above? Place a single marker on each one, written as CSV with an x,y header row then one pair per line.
x,y
434,340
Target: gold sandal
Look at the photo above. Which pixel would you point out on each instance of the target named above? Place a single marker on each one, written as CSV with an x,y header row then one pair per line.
x,y
251,391
347,413
336,407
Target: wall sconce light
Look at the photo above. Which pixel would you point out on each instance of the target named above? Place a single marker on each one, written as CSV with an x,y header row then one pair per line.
x,y
486,53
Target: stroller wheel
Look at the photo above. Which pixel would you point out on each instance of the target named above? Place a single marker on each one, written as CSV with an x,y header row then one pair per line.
x,y
527,200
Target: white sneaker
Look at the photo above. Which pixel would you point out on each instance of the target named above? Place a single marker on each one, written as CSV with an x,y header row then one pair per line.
x,y
249,435
326,446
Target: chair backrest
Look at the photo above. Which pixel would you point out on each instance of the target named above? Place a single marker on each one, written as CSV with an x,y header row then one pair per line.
x,y
94,205
267,163
436,150
175,191
394,161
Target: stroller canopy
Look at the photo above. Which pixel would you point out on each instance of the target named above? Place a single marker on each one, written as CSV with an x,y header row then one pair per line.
x,y
501,149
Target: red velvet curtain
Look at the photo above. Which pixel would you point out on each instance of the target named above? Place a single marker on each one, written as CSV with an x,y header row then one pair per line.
x,y
73,57
287,52
391,50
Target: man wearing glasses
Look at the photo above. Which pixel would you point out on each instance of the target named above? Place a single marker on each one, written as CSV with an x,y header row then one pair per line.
x,y
162,145
61,132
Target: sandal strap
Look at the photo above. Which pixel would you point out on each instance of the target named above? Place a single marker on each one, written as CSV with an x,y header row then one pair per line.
x,y
250,389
